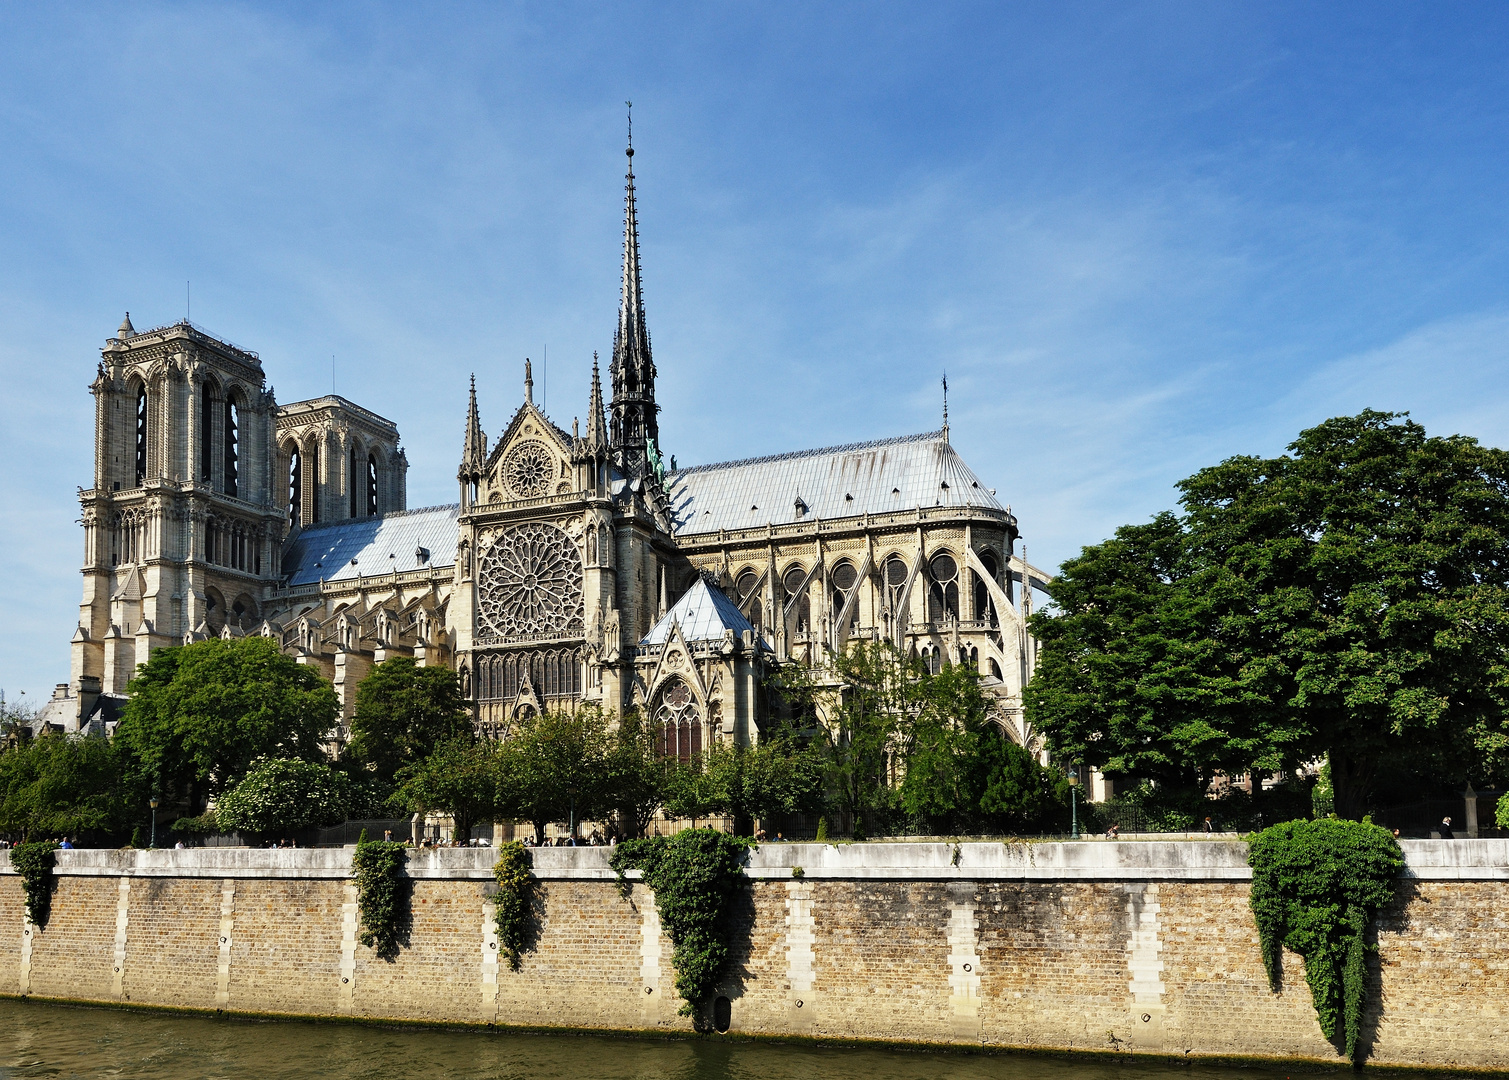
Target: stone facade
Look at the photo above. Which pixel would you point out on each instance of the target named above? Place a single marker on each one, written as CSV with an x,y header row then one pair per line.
x,y
1093,946
555,579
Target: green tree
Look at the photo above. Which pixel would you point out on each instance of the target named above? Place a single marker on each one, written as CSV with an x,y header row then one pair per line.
x,y
279,796
55,786
779,775
403,712
878,691
200,714
1016,792
459,778
554,766
1346,601
635,772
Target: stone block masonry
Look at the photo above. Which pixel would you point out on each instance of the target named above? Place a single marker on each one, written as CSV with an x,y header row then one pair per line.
x,y
1101,946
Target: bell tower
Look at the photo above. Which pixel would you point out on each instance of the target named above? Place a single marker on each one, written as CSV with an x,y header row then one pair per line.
x,y
181,530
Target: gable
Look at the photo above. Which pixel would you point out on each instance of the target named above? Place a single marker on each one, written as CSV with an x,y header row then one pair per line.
x,y
532,459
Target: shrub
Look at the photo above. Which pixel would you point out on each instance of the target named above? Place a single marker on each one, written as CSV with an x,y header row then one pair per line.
x,y
380,895
1316,889
694,875
34,862
512,904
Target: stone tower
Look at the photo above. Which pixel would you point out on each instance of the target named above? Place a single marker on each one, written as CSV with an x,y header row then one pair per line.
x,y
182,530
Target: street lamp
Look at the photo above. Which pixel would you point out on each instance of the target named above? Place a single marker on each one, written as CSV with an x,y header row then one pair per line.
x,y
1073,802
152,802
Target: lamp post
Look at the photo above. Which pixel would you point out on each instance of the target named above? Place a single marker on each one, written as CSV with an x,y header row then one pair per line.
x,y
152,802
1074,802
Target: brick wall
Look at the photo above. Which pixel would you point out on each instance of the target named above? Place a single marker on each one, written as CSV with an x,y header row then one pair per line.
x,y
1098,946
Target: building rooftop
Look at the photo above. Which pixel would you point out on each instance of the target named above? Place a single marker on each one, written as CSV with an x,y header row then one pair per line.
x,y
836,482
341,550
703,613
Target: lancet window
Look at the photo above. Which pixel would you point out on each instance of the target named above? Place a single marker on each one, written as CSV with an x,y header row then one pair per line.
x,y
794,584
943,588
550,673
895,580
749,601
678,722
985,609
141,435
371,485
842,580
232,443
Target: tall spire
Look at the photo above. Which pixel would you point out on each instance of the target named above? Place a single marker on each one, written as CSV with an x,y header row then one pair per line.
x,y
945,406
633,370
474,452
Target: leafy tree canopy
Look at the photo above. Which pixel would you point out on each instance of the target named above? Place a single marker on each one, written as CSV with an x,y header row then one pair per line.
x,y
554,764
460,778
1348,600
403,712
54,786
200,714
279,796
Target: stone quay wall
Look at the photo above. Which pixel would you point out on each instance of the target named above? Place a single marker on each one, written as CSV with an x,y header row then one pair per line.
x,y
1099,946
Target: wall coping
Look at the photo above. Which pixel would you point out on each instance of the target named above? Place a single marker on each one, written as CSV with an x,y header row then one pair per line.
x,y
1089,860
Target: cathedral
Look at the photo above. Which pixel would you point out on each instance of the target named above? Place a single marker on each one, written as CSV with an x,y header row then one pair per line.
x,y
575,566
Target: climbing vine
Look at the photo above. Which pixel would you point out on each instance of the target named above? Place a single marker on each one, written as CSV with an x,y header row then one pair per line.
x,y
34,862
1316,889
511,905
694,876
380,893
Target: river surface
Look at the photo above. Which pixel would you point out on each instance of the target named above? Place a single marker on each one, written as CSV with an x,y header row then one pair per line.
x,y
45,1040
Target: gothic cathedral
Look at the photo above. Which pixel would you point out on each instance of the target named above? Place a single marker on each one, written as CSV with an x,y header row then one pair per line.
x,y
576,566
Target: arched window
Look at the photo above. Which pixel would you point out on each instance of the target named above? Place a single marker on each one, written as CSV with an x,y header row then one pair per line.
x,y
749,600
231,443
371,485
985,609
295,489
312,482
842,579
794,584
895,581
353,482
207,432
679,723
141,434
943,588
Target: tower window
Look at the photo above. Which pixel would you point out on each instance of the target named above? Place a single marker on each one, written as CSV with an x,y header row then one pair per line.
x,y
206,433
295,489
141,435
232,444
353,481
371,485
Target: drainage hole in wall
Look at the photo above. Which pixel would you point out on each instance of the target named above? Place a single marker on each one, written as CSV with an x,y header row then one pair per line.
x,y
968,968
344,979
798,1003
492,944
723,1014
649,989
1146,1017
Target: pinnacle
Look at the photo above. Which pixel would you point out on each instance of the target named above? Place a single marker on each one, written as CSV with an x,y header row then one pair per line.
x,y
126,330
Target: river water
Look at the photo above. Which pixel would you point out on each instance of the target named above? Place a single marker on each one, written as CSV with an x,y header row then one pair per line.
x,y
44,1040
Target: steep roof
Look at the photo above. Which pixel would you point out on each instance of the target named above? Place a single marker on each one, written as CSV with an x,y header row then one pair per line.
x,y
341,550
836,482
703,613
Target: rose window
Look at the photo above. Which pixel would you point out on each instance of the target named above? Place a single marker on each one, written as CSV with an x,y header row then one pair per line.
x,y
528,469
531,584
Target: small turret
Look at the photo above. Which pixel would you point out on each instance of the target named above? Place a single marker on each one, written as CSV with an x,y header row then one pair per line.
x,y
474,450
126,330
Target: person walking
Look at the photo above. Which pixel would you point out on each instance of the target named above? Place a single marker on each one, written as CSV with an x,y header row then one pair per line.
x,y
1446,828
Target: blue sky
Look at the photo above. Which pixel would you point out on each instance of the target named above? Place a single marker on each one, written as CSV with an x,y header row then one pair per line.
x,y
1139,237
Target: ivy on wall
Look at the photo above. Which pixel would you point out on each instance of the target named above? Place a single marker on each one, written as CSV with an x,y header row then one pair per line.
x,y
34,862
1316,890
511,905
694,876
381,889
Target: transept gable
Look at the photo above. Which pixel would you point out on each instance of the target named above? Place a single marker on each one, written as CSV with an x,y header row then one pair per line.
x,y
531,459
